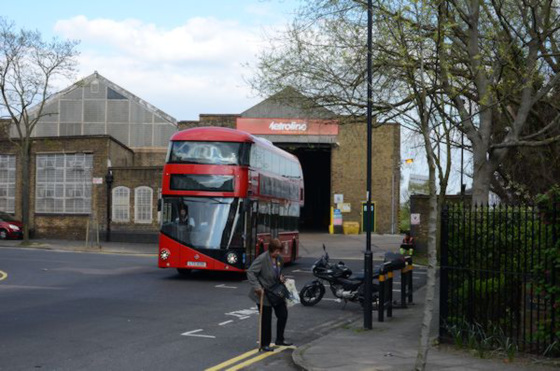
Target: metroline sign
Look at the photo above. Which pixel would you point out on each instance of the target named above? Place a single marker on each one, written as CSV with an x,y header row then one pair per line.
x,y
287,126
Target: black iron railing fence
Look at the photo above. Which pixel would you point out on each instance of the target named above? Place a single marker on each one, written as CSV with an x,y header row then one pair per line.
x,y
499,277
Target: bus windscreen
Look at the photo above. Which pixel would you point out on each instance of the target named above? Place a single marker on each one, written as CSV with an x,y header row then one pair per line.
x,y
203,223
207,153
201,182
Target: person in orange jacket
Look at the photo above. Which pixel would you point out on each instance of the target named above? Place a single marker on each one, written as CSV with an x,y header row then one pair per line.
x,y
407,245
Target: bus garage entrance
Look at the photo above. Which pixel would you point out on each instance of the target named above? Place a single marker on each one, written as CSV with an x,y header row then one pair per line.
x,y
315,161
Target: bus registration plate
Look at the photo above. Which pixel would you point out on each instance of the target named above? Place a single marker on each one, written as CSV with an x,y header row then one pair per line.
x,y
196,264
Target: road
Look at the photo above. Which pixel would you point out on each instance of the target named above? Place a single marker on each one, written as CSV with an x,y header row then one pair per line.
x,y
64,310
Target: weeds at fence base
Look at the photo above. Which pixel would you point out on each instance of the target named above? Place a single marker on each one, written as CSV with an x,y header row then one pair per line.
x,y
484,343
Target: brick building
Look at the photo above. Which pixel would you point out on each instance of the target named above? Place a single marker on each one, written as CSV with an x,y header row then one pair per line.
x,y
88,130
332,154
95,127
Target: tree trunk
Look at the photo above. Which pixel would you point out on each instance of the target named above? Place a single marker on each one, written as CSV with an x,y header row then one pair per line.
x,y
424,346
482,173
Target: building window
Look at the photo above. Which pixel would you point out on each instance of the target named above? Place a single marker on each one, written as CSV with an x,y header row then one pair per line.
x,y
94,87
121,204
7,183
112,94
63,184
143,204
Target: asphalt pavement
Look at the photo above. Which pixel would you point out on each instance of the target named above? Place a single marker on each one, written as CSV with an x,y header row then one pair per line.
x,y
390,345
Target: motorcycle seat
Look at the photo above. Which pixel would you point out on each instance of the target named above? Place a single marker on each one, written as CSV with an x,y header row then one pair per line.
x,y
360,276
350,284
357,276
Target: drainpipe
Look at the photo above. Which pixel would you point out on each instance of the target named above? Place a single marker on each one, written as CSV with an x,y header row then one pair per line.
x,y
393,204
109,182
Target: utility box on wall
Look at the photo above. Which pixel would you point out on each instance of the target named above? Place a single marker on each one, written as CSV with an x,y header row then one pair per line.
x,y
373,218
420,206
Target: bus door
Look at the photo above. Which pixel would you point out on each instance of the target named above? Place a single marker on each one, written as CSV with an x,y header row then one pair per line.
x,y
251,223
274,220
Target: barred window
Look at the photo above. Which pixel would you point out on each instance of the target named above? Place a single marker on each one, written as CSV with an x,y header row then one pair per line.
x,y
121,204
63,183
7,183
143,204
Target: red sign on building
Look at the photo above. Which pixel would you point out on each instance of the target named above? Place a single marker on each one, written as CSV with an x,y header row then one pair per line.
x,y
284,126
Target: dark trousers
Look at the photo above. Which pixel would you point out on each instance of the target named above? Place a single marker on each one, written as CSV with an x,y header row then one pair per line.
x,y
281,312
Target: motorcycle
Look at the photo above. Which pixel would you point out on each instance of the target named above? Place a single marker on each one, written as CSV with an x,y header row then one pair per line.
x,y
342,283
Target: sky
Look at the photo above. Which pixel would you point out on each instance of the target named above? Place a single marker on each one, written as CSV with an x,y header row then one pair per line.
x,y
184,57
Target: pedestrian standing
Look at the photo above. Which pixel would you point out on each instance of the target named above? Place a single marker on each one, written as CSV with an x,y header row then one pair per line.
x,y
263,274
407,245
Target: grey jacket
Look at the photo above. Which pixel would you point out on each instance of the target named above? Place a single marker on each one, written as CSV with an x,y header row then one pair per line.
x,y
263,269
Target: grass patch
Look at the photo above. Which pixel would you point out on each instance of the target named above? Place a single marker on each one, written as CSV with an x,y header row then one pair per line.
x,y
420,258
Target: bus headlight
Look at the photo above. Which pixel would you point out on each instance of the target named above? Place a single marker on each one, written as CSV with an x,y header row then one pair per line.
x,y
231,258
164,254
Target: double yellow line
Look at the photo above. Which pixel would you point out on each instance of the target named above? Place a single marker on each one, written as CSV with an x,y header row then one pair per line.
x,y
239,366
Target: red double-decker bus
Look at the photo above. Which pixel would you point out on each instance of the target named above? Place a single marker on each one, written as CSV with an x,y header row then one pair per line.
x,y
225,195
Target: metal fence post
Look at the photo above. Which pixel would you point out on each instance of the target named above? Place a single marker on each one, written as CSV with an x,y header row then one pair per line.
x,y
554,268
390,293
404,278
410,289
444,274
381,305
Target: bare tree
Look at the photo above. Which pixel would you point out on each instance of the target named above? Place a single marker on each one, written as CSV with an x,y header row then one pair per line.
x,y
499,57
404,90
28,68
502,56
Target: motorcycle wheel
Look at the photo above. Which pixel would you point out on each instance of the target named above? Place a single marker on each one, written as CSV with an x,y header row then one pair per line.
x,y
311,295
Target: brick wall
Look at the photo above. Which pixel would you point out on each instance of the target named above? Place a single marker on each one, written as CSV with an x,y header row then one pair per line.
x,y
4,128
119,154
133,177
149,156
225,120
69,226
72,226
349,172
420,204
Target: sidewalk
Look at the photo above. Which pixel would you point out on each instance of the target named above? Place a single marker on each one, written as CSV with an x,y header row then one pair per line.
x,y
80,246
347,247
393,345
390,345
339,247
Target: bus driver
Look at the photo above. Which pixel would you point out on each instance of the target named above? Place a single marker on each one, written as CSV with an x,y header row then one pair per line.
x,y
184,219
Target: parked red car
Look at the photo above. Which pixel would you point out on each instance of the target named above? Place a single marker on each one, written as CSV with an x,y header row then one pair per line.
x,y
10,227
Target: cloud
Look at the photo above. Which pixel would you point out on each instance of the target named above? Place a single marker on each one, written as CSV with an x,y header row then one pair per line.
x,y
190,69
199,39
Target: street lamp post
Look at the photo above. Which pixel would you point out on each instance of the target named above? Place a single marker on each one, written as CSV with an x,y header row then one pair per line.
x,y
462,184
109,181
368,256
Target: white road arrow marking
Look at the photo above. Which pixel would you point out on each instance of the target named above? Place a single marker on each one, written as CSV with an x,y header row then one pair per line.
x,y
193,333
222,286
243,313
